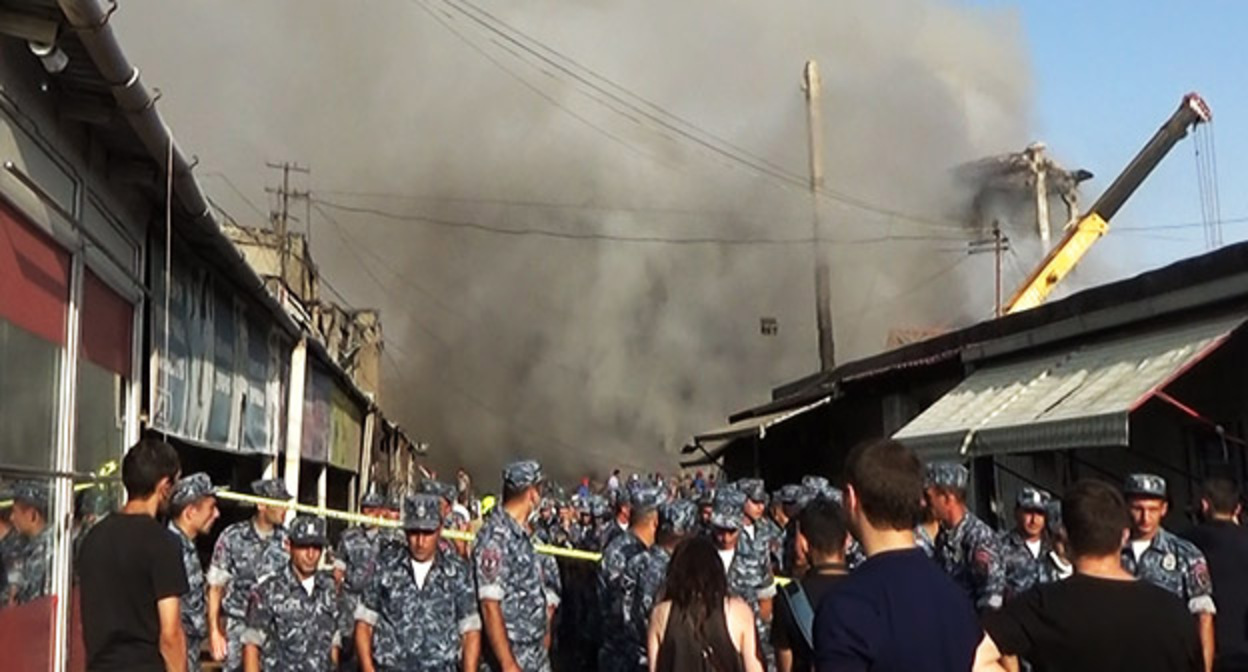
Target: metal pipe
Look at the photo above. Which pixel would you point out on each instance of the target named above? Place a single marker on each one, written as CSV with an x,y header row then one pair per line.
x,y
90,21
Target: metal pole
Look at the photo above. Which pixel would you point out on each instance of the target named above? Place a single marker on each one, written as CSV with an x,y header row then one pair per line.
x,y
996,238
823,301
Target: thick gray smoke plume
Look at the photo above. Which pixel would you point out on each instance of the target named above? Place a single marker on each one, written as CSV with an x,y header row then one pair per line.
x,y
588,354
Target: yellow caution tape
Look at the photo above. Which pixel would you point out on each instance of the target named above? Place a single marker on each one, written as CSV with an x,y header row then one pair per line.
x,y
454,535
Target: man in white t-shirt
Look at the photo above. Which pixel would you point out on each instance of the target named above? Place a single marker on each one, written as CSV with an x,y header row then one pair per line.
x,y
1027,546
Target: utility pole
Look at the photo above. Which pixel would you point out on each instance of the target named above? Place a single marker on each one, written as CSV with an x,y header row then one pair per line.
x,y
280,218
999,244
823,299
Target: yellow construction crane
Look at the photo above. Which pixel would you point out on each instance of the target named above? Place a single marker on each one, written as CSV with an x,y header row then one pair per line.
x,y
1091,226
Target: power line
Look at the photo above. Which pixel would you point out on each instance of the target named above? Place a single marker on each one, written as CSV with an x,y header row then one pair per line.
x,y
664,118
239,192
615,238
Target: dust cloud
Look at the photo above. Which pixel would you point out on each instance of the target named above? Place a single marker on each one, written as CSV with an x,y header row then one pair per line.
x,y
595,353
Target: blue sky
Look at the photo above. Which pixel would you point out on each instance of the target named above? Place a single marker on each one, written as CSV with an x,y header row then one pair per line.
x,y
1107,73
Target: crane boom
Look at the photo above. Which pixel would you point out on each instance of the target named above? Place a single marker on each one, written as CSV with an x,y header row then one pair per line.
x,y
1062,259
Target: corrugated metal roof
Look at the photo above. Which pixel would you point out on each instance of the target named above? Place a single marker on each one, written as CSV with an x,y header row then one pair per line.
x,y
756,426
1070,399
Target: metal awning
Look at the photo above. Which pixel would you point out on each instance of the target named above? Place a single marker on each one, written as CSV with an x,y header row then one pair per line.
x,y
1073,399
755,427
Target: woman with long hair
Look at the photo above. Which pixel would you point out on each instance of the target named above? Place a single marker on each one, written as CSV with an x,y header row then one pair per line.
x,y
697,627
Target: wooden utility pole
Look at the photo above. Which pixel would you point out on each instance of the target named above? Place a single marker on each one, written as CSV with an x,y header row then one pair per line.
x,y
823,291
999,244
281,217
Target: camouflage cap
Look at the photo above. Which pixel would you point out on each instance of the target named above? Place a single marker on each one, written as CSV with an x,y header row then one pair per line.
x,y
307,530
599,507
753,488
374,499
678,516
818,487
1032,499
190,489
789,494
522,474
422,512
444,490
31,493
728,511
394,502
647,498
946,475
271,488
1145,485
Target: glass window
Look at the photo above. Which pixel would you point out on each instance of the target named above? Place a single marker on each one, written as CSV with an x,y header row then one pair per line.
x,y
103,372
34,300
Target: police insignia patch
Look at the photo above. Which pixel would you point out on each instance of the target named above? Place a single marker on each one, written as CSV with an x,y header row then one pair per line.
x,y
1168,562
491,563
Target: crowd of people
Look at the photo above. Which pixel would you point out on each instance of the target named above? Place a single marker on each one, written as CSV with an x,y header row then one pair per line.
x,y
892,572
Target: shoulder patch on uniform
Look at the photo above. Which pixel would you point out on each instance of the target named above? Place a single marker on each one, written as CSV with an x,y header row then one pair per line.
x,y
491,563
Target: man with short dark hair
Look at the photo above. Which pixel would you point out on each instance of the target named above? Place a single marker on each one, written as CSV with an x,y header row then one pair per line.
x,y
966,546
1101,618
1167,560
192,511
822,537
645,572
132,575
1225,545
897,611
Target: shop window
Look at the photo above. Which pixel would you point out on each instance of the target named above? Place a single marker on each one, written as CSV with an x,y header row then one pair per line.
x,y
34,300
103,373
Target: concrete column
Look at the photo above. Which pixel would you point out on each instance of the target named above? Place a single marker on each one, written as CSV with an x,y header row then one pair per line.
x,y
294,414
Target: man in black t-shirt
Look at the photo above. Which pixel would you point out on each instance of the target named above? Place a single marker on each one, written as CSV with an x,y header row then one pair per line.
x,y
1102,618
1225,544
132,574
821,534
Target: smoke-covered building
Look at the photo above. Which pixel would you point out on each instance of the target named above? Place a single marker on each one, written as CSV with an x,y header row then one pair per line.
x,y
1136,375
125,311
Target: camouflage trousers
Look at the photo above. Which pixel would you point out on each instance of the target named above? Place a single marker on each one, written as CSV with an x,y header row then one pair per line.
x,y
193,645
234,639
530,657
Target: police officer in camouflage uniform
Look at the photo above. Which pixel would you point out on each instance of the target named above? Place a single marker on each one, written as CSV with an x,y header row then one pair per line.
x,y
11,543
30,518
511,585
192,511
1156,555
354,562
749,574
758,528
292,616
646,572
1025,549
418,612
245,552
618,654
965,546
620,500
